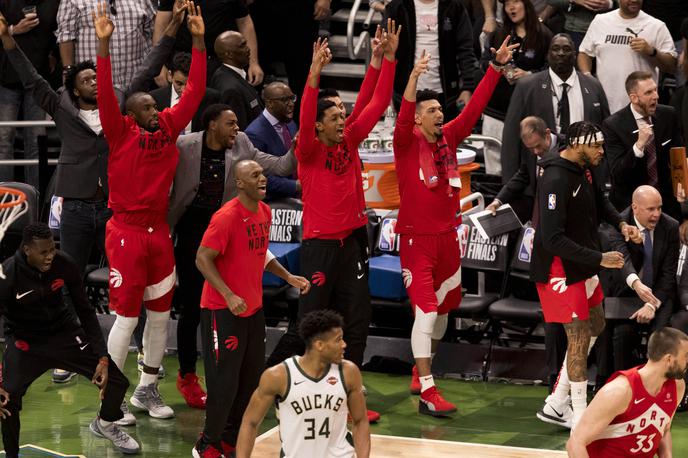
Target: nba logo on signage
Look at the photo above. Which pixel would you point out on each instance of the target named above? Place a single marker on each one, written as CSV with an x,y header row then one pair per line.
x,y
526,248
388,237
463,231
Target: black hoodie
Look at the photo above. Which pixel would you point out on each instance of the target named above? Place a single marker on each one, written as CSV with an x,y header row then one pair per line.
x,y
571,209
33,305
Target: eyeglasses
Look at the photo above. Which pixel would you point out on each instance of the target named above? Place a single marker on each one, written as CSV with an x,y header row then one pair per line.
x,y
285,99
113,10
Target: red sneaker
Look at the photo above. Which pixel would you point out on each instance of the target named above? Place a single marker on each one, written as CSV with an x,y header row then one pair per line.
x,y
373,416
415,381
203,449
227,449
432,403
191,390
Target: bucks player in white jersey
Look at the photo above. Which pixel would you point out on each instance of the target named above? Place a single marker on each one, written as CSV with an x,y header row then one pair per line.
x,y
314,394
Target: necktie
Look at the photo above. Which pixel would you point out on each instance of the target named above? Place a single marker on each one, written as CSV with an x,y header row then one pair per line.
x,y
647,260
286,136
563,109
651,158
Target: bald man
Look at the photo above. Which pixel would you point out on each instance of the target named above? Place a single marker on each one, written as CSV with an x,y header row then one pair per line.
x,y
273,131
648,274
230,79
232,257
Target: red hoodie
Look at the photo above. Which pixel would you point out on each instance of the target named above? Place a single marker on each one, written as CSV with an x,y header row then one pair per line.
x,y
142,164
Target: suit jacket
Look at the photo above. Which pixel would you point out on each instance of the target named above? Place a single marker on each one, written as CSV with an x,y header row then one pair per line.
x,y
163,98
626,170
665,251
524,180
236,92
188,175
533,97
264,137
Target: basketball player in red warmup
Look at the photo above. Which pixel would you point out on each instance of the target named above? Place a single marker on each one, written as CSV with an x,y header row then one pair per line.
x,y
429,185
141,167
631,415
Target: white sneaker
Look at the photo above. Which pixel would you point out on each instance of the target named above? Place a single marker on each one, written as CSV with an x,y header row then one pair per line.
x,y
148,398
121,440
128,419
556,415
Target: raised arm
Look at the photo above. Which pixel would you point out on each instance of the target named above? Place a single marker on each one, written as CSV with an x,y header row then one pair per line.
x,y
183,112
365,94
254,74
43,94
108,107
309,102
67,31
403,131
460,127
273,384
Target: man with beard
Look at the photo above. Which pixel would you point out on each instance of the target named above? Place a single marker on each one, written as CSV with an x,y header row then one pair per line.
x,y
566,260
143,158
631,415
429,186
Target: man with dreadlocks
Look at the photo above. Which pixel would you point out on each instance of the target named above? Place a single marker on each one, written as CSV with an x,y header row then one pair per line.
x,y
566,259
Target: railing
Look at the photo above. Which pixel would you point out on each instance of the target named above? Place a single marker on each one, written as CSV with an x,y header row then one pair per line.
x,y
363,43
43,162
485,139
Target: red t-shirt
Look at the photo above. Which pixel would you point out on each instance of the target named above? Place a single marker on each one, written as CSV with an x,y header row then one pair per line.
x,y
331,181
423,210
241,237
638,431
142,164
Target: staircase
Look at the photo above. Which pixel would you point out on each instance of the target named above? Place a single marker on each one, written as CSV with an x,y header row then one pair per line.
x,y
351,28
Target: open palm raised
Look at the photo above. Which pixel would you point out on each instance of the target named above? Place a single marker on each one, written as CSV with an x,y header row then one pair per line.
x,y
104,26
194,20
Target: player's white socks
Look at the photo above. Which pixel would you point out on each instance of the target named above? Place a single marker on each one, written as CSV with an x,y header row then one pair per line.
x,y
120,336
154,343
564,385
426,382
579,399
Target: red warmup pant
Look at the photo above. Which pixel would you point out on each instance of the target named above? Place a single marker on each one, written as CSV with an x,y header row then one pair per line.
x,y
431,269
141,267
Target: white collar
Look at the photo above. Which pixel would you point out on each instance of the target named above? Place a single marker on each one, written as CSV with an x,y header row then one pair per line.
x,y
271,119
240,71
640,226
571,81
174,97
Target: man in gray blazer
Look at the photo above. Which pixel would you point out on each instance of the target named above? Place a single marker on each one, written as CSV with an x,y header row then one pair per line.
x,y
559,95
203,183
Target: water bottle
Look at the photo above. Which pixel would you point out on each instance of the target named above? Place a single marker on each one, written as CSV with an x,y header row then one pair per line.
x,y
390,121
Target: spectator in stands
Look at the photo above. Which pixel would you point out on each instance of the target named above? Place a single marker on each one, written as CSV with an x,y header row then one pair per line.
x,y
442,29
637,143
672,13
623,41
649,273
378,5
273,131
578,14
33,32
130,43
219,17
177,76
203,182
522,25
559,95
679,100
230,78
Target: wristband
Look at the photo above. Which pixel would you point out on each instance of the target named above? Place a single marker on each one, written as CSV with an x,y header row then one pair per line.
x,y
654,309
67,68
105,361
11,30
654,52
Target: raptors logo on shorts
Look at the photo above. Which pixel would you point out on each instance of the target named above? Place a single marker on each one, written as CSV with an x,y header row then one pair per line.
x,y
115,278
407,276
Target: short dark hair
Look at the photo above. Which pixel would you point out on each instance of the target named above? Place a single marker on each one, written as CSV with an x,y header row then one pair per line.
x,y
36,231
213,112
633,79
323,106
131,99
181,62
70,77
327,93
317,323
426,94
664,341
534,125
584,129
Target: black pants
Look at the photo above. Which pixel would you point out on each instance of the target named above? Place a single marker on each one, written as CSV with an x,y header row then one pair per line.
x,y
555,350
24,361
232,370
82,225
338,271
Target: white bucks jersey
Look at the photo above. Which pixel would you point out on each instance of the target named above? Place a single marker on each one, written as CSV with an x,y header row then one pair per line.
x,y
312,416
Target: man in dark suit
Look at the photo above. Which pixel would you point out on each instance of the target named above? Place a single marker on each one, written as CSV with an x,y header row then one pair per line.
x,y
649,273
637,143
559,95
272,132
230,78
177,75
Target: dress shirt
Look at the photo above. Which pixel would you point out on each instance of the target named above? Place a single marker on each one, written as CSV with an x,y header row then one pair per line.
x,y
633,277
574,94
174,99
240,71
640,121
